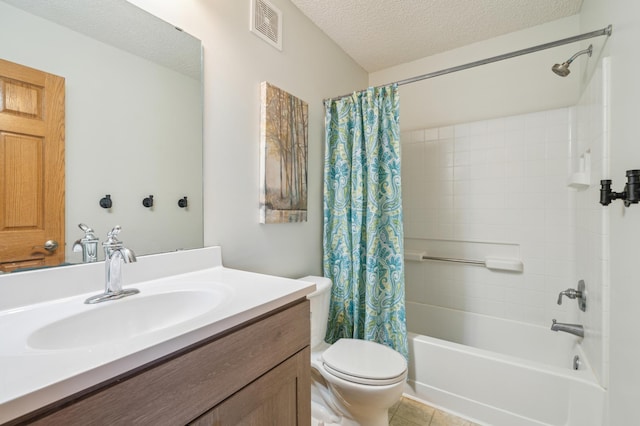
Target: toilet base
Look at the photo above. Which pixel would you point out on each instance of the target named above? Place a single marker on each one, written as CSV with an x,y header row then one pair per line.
x,y
328,407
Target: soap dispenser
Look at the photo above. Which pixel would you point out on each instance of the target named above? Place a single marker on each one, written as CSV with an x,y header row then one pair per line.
x,y
88,245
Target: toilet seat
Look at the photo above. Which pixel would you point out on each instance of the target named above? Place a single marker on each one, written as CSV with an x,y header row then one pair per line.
x,y
364,362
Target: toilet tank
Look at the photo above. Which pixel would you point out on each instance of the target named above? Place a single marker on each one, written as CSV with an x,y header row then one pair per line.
x,y
319,301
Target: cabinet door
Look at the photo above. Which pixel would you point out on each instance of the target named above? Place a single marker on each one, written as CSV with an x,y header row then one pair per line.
x,y
281,397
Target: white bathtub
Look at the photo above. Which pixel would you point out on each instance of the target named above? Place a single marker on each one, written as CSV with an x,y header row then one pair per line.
x,y
499,372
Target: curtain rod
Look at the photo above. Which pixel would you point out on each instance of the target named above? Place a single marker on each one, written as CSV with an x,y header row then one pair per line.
x,y
604,31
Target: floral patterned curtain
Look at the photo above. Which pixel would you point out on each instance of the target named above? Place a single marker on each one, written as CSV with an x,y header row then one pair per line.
x,y
363,231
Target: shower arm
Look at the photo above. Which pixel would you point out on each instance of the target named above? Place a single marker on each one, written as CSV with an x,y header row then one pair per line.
x,y
588,51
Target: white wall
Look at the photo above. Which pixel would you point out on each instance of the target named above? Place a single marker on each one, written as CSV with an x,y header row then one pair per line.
x,y
624,223
515,86
310,67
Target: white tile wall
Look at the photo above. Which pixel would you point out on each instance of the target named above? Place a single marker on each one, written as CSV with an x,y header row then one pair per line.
x,y
499,181
505,181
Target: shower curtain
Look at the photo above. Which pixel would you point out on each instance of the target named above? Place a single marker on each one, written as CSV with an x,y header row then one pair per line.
x,y
363,231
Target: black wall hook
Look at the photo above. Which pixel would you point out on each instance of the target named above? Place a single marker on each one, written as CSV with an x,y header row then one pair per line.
x,y
148,202
182,202
106,202
630,195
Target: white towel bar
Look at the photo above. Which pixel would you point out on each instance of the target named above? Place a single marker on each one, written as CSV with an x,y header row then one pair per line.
x,y
493,263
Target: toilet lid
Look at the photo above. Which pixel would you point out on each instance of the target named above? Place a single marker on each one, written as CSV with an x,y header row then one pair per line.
x,y
364,362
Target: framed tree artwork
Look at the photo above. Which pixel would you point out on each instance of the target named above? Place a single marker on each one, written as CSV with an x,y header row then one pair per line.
x,y
283,156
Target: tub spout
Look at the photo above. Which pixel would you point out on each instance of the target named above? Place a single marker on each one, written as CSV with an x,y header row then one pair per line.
x,y
575,329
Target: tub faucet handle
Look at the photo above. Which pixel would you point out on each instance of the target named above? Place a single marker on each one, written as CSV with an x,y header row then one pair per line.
x,y
579,294
571,293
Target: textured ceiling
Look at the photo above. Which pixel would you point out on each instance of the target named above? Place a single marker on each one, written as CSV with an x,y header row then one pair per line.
x,y
379,34
125,26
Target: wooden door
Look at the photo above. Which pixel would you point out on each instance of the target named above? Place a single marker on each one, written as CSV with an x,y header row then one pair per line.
x,y
31,167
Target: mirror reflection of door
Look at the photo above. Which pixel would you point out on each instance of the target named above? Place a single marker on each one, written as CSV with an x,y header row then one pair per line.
x,y
31,167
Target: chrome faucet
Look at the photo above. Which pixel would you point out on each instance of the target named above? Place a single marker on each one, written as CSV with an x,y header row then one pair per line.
x,y
88,245
575,329
115,254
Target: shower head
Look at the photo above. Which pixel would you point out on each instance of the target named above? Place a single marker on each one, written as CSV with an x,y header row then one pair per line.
x,y
563,69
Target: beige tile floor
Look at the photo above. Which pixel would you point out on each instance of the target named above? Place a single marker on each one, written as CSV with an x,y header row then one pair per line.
x,y
408,412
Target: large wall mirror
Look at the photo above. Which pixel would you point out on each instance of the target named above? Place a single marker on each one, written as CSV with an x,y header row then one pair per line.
x,y
133,116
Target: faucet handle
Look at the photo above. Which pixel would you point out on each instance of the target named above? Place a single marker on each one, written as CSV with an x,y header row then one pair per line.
x,y
88,232
84,227
115,231
579,294
570,293
112,236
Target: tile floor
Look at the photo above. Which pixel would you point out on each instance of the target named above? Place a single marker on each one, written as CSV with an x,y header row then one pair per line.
x,y
408,412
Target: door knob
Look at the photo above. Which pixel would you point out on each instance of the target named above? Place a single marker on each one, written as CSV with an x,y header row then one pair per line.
x,y
49,245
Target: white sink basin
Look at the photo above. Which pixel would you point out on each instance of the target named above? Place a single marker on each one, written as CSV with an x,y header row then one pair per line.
x,y
124,319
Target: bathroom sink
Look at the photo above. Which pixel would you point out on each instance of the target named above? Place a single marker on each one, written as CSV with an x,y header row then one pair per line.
x,y
124,319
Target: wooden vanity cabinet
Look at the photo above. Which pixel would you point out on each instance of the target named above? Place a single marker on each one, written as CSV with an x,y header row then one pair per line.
x,y
257,374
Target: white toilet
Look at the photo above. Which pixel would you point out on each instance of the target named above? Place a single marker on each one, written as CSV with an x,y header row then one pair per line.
x,y
354,382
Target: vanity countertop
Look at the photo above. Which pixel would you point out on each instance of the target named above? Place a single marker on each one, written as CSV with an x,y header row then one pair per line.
x,y
37,371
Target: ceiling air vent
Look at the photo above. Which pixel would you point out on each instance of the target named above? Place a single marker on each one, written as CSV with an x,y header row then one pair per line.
x,y
266,22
